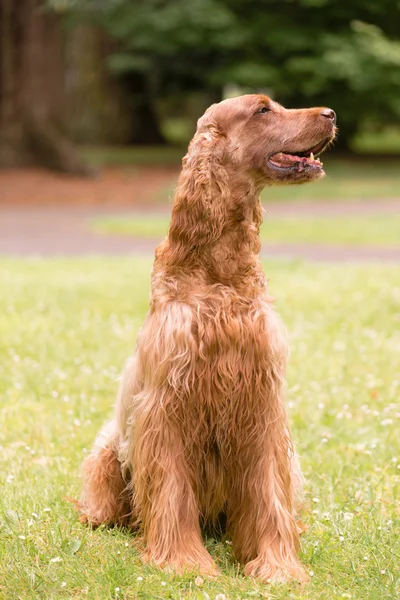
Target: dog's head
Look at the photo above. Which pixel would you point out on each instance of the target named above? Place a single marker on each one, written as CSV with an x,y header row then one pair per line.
x,y
241,145
273,144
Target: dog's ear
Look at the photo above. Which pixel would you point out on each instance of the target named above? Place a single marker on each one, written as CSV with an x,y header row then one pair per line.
x,y
200,204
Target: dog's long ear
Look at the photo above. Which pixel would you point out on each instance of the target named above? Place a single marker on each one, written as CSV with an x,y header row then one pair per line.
x,y
200,204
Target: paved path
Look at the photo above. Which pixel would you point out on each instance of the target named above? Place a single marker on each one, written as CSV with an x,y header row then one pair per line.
x,y
338,208
66,232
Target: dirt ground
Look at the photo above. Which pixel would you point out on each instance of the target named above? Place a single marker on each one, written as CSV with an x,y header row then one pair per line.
x,y
117,186
48,214
141,188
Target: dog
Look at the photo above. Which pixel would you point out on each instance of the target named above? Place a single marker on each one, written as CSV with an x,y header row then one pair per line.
x,y
200,428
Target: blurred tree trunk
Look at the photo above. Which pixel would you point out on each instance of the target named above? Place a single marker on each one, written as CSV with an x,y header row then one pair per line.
x,y
145,126
32,89
96,107
103,107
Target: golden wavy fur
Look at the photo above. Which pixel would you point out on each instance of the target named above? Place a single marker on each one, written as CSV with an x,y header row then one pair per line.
x,y
200,427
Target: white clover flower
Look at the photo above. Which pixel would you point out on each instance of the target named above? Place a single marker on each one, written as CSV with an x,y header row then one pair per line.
x,y
348,516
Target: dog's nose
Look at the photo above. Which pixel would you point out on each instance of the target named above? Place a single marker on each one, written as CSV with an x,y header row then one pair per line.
x,y
328,113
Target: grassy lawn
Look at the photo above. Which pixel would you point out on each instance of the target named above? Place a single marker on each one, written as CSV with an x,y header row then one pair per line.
x,y
375,230
346,179
66,328
357,177
385,141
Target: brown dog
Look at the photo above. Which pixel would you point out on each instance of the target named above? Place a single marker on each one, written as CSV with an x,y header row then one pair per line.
x,y
200,427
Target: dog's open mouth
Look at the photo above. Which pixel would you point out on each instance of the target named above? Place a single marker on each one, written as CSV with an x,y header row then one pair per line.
x,y
306,159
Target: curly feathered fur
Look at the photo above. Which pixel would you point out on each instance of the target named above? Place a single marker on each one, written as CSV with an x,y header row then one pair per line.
x,y
200,427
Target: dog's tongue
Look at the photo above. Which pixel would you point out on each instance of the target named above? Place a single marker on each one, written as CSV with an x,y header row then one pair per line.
x,y
286,160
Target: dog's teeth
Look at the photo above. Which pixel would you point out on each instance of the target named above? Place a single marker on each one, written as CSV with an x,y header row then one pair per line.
x,y
311,156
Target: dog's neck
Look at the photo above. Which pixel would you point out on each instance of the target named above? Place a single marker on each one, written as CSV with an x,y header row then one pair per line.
x,y
217,234
233,258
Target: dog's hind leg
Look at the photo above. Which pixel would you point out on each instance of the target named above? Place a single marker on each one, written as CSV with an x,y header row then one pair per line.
x,y
105,497
297,482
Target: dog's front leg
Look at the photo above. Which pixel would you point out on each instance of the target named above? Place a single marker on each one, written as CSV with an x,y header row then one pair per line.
x,y
264,531
164,495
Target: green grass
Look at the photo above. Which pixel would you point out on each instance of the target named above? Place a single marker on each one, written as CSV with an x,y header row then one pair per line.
x,y
141,225
346,179
380,142
375,230
66,328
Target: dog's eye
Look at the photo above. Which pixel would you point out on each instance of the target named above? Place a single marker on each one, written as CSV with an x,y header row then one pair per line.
x,y
263,109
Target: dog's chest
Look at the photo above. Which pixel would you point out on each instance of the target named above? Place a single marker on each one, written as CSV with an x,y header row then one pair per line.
x,y
227,334
236,350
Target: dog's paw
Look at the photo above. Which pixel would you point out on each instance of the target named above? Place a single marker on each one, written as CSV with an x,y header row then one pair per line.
x,y
301,527
203,565
86,519
269,573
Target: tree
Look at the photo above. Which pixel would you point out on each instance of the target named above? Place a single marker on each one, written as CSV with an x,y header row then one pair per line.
x,y
32,88
112,82
329,52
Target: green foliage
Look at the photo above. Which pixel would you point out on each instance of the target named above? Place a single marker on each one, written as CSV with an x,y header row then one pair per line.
x,y
384,141
330,52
